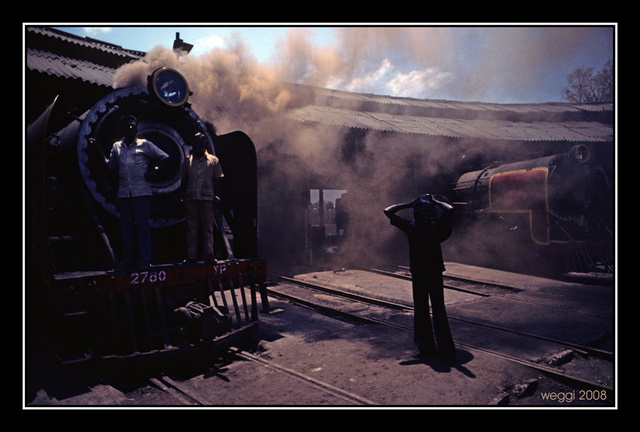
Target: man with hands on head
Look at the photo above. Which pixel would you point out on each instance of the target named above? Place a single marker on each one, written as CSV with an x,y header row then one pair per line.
x,y
430,226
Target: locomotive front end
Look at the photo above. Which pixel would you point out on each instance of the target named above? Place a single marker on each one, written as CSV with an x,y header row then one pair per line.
x,y
164,118
169,310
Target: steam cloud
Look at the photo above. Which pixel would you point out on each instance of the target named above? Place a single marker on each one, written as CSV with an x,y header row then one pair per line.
x,y
426,62
232,90
484,64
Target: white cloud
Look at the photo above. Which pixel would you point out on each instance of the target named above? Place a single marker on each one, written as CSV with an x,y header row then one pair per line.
x,y
96,31
207,43
418,82
369,80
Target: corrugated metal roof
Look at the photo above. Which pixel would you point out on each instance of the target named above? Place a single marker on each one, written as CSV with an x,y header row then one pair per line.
x,y
456,128
58,54
86,42
548,107
64,67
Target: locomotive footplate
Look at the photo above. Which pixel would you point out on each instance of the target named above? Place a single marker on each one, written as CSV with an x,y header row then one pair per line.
x,y
165,311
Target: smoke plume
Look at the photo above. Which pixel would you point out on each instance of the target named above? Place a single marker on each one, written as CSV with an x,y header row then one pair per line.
x,y
232,90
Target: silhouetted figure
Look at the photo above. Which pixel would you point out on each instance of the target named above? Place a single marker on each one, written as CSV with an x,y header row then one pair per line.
x,y
131,158
201,174
430,226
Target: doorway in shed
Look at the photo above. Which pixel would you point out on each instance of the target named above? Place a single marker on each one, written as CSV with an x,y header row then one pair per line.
x,y
327,224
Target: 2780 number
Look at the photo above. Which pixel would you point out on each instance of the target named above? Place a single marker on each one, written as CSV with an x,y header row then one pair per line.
x,y
148,277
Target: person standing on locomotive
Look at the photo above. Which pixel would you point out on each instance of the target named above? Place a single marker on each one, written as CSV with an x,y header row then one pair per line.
x,y
131,157
425,233
201,174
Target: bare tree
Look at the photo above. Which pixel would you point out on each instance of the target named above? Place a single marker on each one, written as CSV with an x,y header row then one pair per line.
x,y
585,85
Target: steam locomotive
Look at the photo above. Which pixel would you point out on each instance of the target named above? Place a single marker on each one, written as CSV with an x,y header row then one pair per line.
x,y
564,200
169,310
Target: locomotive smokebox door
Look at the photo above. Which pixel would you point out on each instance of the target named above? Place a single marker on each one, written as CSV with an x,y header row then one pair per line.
x,y
168,123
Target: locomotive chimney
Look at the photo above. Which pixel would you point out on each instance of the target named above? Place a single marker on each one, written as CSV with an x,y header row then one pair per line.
x,y
180,47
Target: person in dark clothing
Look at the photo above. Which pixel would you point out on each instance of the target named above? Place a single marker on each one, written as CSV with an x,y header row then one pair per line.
x,y
430,226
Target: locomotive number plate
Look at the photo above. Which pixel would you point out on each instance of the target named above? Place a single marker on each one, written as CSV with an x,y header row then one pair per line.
x,y
138,278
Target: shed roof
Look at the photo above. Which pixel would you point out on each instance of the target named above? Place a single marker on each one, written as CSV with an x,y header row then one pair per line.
x,y
326,95
64,55
577,131
69,68
87,42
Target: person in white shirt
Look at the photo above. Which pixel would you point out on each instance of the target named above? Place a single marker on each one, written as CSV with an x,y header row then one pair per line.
x,y
131,157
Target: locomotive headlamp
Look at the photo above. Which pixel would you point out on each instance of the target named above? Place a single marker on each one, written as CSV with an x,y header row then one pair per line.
x,y
169,86
582,153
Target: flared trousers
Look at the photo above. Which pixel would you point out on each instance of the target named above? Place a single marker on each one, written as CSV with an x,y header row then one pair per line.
x,y
427,287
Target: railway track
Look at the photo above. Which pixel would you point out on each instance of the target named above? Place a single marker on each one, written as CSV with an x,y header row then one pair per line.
x,y
497,290
184,395
363,308
353,306
480,288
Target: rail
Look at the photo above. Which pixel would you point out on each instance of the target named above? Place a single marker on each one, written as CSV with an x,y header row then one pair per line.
x,y
367,315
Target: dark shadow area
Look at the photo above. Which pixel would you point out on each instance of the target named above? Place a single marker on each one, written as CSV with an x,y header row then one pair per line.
x,y
438,365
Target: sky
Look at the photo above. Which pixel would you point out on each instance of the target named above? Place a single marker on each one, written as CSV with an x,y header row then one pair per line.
x,y
479,63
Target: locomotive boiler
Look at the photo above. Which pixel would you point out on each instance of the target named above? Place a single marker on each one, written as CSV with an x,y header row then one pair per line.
x,y
563,200
72,245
